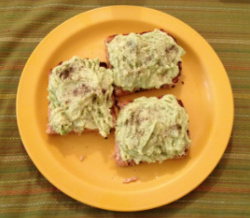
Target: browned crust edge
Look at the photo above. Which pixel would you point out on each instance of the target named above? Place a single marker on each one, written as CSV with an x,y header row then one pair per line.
x,y
117,155
119,91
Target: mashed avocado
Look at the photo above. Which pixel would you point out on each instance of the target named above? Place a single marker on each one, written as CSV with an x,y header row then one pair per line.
x,y
152,129
145,61
80,97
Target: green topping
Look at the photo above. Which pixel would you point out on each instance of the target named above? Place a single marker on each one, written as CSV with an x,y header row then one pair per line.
x,y
152,129
146,61
80,96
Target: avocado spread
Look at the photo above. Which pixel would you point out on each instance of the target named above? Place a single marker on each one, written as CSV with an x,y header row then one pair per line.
x,y
147,60
152,129
80,96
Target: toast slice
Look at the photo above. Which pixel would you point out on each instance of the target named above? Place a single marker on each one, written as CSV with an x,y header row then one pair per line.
x,y
151,130
143,61
80,97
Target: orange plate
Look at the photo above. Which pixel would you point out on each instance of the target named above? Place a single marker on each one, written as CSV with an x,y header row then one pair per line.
x,y
97,181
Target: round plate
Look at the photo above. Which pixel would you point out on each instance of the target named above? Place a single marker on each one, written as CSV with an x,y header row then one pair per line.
x,y
203,87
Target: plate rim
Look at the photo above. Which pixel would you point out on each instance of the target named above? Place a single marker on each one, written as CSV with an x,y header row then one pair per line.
x,y
98,204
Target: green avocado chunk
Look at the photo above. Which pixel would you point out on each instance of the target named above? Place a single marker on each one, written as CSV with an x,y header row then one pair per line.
x,y
152,129
80,97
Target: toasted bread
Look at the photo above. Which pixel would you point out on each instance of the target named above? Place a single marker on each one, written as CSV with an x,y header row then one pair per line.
x,y
128,161
119,68
80,98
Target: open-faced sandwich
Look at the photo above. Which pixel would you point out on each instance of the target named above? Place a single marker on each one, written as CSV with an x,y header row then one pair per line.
x,y
147,130
80,97
143,61
151,130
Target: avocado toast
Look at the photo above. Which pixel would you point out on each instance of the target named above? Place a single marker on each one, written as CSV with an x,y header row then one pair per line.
x,y
151,130
143,61
80,97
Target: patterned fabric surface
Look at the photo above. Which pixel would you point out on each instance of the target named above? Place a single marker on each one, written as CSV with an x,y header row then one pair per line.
x,y
24,192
